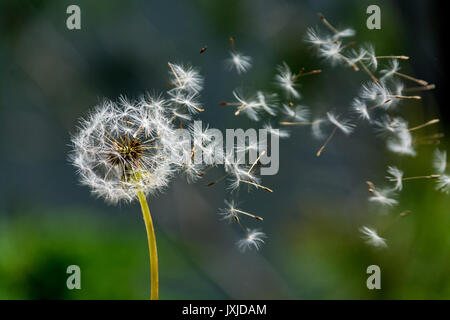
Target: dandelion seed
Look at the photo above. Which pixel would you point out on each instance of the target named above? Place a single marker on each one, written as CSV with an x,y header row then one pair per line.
x,y
281,133
401,142
313,37
337,34
297,113
239,62
391,70
383,197
185,78
372,238
440,161
370,56
189,101
285,80
267,102
253,239
247,106
316,128
344,125
360,108
231,212
443,184
396,176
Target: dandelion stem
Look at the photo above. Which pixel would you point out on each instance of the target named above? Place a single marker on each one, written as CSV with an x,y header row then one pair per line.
x,y
419,81
326,142
154,281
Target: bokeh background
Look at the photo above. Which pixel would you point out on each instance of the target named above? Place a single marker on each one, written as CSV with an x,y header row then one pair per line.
x,y
51,76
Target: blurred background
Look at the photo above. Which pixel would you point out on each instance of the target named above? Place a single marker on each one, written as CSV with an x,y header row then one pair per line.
x,y
51,76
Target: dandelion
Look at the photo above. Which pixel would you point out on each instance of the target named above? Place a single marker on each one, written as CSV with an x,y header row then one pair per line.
x,y
372,238
121,152
253,239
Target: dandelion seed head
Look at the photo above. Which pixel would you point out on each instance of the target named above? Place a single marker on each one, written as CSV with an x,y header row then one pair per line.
x,y
122,148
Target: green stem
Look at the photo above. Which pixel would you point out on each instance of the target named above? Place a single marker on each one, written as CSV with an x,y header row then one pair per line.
x,y
154,282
